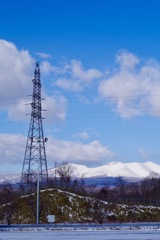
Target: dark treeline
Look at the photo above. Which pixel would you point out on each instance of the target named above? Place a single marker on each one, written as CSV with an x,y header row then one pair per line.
x,y
145,192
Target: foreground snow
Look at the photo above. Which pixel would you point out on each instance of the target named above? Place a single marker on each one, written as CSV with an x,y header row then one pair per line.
x,y
81,234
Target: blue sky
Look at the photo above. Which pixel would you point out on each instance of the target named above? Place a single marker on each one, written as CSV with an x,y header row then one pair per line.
x,y
100,71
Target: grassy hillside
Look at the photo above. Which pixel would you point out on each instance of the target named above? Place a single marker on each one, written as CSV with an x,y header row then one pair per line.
x,y
68,207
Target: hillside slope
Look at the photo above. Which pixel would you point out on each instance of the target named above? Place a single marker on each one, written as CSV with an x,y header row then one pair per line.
x,y
68,207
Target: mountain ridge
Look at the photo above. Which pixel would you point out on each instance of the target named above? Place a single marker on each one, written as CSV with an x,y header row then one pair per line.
x,y
112,169
115,169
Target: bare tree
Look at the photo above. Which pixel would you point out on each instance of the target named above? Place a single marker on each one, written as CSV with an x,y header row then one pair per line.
x,y
7,193
99,213
65,173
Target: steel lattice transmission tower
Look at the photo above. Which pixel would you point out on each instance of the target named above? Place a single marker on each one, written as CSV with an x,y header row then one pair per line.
x,y
35,163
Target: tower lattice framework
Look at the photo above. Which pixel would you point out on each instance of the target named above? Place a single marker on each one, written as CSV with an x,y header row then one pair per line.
x,y
35,163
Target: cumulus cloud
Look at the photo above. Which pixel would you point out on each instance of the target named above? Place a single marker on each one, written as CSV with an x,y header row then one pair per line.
x,y
79,72
43,55
82,135
77,152
54,107
20,110
133,86
47,68
77,77
70,84
17,68
126,60
13,148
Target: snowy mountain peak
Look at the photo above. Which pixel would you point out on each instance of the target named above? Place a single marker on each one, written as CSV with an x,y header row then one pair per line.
x,y
115,169
111,169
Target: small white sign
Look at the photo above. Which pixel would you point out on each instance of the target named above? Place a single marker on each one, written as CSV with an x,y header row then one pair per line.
x,y
51,218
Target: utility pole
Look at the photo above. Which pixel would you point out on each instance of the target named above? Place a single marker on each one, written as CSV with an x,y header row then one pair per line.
x,y
35,164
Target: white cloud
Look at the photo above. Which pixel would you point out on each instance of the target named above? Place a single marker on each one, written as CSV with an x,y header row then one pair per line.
x,y
13,149
83,99
77,152
17,70
56,108
76,78
46,67
82,135
126,60
132,88
43,55
79,72
70,84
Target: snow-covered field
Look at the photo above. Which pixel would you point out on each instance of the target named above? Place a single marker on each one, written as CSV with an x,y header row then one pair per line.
x,y
100,233
82,235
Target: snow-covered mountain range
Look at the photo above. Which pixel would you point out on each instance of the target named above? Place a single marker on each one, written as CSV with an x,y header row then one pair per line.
x,y
115,169
111,169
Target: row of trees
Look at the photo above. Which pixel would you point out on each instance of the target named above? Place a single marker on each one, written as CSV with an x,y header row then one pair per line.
x,y
146,192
